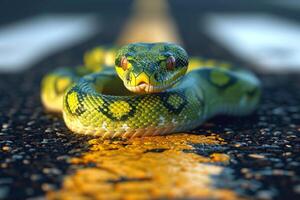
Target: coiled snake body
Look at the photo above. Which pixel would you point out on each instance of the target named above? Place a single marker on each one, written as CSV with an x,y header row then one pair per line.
x,y
157,98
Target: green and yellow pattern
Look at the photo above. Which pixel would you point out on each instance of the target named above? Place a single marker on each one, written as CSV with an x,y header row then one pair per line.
x,y
148,92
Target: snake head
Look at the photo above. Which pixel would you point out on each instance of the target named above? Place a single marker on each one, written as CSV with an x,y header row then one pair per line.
x,y
151,67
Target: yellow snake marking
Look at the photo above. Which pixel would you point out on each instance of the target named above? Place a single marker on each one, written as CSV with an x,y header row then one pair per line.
x,y
93,58
175,100
73,102
218,78
119,109
63,83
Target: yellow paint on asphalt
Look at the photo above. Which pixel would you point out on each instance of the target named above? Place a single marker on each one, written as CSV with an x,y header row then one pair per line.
x,y
146,168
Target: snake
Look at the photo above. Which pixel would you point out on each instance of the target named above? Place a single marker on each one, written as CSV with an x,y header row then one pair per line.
x,y
146,89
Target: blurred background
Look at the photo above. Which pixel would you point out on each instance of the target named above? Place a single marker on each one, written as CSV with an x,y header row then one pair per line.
x,y
264,34
37,36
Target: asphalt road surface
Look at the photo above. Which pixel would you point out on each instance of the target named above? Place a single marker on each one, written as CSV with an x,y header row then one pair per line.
x,y
255,157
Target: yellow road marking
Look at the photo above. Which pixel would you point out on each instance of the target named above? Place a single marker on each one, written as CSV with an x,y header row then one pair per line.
x,y
146,168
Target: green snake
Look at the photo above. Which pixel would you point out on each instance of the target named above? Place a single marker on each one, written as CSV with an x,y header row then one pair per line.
x,y
148,92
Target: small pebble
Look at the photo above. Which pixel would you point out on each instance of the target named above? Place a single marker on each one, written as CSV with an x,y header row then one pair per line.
x,y
5,126
17,157
35,177
48,130
28,129
257,156
26,162
276,133
47,187
6,148
44,141
31,123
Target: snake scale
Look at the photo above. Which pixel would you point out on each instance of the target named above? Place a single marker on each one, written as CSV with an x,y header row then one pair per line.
x,y
152,90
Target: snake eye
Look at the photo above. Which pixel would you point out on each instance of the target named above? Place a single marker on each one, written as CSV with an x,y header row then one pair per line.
x,y
171,63
124,63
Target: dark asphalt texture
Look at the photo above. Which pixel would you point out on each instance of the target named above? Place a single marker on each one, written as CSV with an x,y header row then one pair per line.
x,y
264,147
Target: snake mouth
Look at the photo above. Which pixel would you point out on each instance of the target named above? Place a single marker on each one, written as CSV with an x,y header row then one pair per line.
x,y
143,84
146,88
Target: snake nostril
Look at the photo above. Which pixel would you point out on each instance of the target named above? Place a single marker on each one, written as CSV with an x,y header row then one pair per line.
x,y
128,77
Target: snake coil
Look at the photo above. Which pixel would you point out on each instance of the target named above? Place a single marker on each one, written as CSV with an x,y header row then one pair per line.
x,y
148,92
